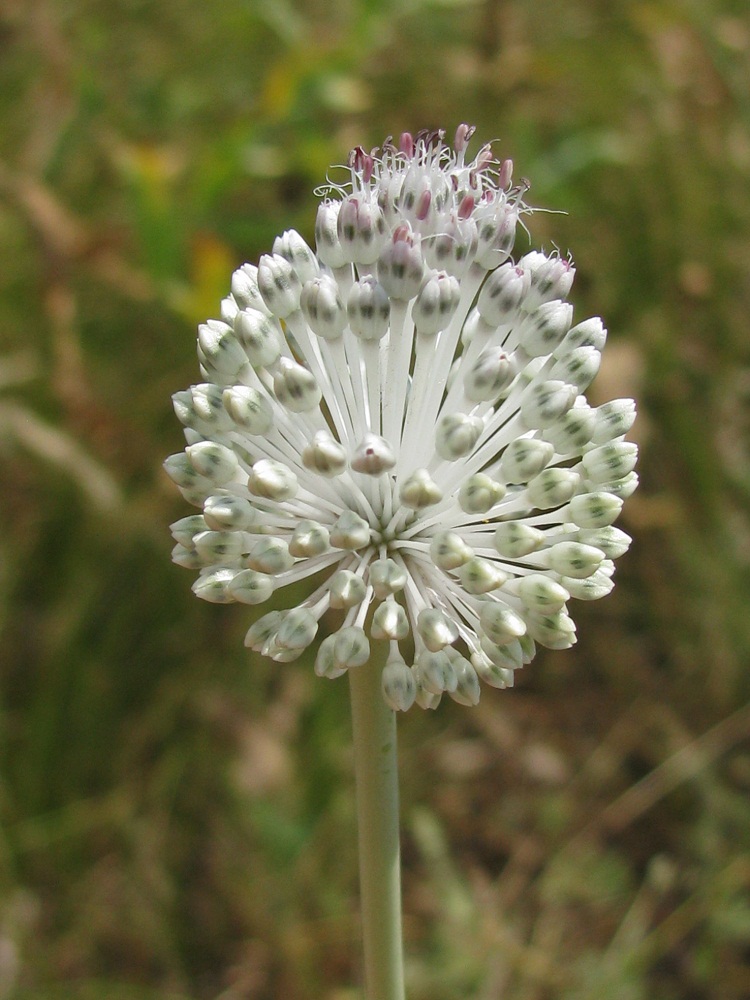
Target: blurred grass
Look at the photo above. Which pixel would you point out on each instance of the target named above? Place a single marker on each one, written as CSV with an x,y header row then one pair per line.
x,y
177,819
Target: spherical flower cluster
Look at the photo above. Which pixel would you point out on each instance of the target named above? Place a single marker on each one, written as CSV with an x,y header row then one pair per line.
x,y
399,419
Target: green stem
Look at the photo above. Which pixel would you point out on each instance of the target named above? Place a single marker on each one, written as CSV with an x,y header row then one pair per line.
x,y
376,775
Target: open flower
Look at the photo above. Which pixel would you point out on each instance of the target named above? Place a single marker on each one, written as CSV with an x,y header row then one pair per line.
x,y
399,419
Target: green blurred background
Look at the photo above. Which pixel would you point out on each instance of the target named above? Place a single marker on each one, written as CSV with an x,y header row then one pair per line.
x,y
177,816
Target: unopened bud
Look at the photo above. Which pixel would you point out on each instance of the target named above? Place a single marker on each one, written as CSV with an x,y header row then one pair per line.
x,y
295,387
419,491
324,455
272,480
456,435
350,531
270,555
279,285
398,685
368,308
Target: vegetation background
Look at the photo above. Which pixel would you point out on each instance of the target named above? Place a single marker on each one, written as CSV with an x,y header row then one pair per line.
x,y
177,816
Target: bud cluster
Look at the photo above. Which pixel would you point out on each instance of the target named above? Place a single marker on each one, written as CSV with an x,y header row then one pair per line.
x,y
399,417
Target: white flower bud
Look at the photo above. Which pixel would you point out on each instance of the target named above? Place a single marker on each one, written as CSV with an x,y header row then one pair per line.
x,y
491,373
419,491
185,530
607,568
539,593
279,285
593,588
449,551
613,419
225,512
456,435
368,308
259,336
323,307
555,631
245,291
295,387
435,303
281,654
351,647
590,333
545,328
325,661
436,629
373,456
298,629
609,461
501,624
272,481
578,367
346,589
409,199
350,531
525,458
215,462
573,430
261,631
551,277
386,577
514,539
324,455
545,402
249,409
327,243
187,557
293,249
507,656
399,685
390,622
612,541
479,493
400,264
528,648
425,700
435,672
208,404
213,586
552,487
250,587
492,674
497,233
574,559
182,404
218,546
270,555
502,294
220,351
454,248
480,576
309,539
228,309
594,510
622,488
197,492
467,689
361,230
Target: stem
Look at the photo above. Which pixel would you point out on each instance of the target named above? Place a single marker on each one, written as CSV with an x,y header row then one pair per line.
x,y
376,776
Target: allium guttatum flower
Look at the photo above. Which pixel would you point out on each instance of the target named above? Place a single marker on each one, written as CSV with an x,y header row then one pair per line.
x,y
398,419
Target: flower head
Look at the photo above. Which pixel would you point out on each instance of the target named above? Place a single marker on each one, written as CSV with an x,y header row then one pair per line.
x,y
399,419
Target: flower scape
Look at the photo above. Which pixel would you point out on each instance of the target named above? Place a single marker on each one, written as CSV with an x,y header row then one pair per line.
x,y
398,420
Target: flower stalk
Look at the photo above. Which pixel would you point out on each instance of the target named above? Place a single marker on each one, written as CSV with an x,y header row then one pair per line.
x,y
376,775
